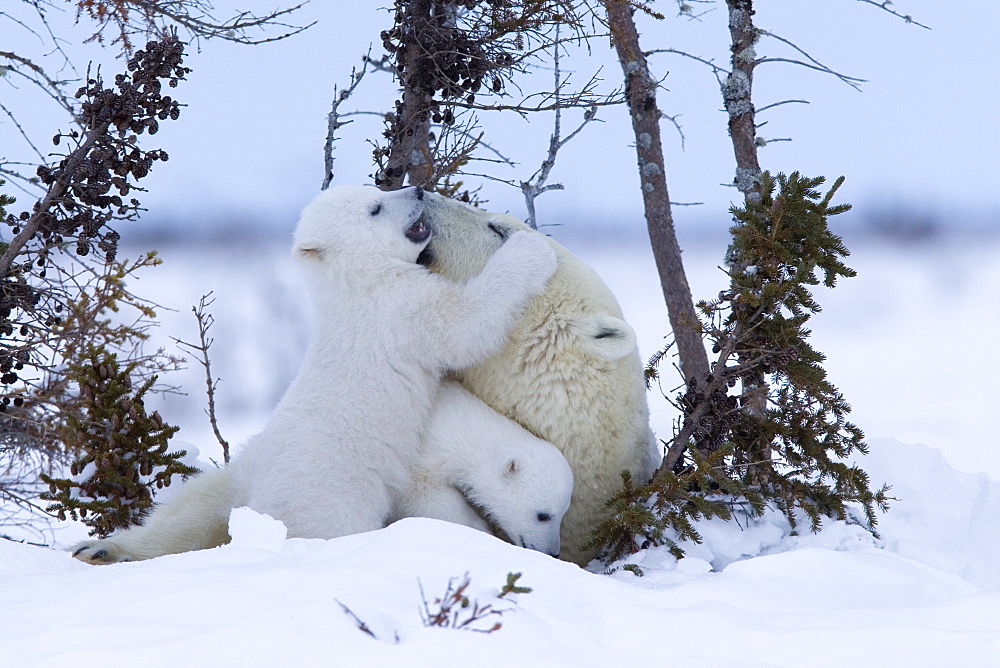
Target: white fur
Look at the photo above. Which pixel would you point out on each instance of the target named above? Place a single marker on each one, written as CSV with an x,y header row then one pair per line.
x,y
473,455
336,456
570,372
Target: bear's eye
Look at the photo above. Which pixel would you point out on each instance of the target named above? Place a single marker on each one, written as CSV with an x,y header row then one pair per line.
x,y
497,230
376,209
544,517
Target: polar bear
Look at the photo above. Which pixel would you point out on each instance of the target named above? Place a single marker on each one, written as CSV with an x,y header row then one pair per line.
x,y
336,456
474,467
570,372
483,470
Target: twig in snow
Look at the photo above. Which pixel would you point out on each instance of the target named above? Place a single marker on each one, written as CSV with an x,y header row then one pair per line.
x,y
456,611
357,620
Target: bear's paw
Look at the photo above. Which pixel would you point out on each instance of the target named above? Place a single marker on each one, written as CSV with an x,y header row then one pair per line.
x,y
98,552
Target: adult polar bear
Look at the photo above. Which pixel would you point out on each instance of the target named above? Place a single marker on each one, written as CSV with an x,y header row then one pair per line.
x,y
570,371
336,456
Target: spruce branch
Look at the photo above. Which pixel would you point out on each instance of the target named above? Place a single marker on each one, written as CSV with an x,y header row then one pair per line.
x,y
511,587
122,450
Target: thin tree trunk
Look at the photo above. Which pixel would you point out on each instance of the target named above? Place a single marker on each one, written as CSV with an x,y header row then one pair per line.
x,y
409,146
640,92
737,93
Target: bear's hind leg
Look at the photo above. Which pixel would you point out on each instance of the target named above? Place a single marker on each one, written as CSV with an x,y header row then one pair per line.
x,y
196,518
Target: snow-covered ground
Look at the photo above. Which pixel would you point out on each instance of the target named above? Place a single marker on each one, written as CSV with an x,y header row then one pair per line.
x,y
909,342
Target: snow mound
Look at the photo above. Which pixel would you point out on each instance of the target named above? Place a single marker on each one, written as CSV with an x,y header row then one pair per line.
x,y
249,529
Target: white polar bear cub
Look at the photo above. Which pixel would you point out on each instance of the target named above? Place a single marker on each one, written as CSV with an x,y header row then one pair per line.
x,y
337,454
482,470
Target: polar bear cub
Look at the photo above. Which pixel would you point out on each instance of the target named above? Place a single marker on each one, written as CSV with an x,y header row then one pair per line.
x,y
474,467
337,454
482,470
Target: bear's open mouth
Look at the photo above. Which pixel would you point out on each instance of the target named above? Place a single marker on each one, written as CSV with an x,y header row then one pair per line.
x,y
418,232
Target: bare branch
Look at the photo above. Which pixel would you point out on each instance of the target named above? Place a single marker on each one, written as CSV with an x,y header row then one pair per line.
x,y
383,64
333,122
677,126
815,64
456,610
686,8
850,81
535,185
715,68
489,147
884,5
522,109
195,16
53,88
205,322
778,104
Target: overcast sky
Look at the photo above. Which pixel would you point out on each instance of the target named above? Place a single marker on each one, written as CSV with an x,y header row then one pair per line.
x,y
921,136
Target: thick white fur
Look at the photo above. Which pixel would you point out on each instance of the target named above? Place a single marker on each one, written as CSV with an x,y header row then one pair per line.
x,y
336,456
473,455
570,372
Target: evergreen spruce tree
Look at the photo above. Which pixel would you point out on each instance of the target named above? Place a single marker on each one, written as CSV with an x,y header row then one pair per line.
x,y
793,453
121,449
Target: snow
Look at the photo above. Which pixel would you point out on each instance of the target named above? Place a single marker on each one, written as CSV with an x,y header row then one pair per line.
x,y
87,473
926,592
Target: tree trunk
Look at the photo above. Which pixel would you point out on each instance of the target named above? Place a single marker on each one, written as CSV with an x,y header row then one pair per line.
x,y
409,143
737,93
640,92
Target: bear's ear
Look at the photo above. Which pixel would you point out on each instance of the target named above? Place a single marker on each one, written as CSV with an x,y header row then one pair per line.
x,y
309,253
511,468
605,336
